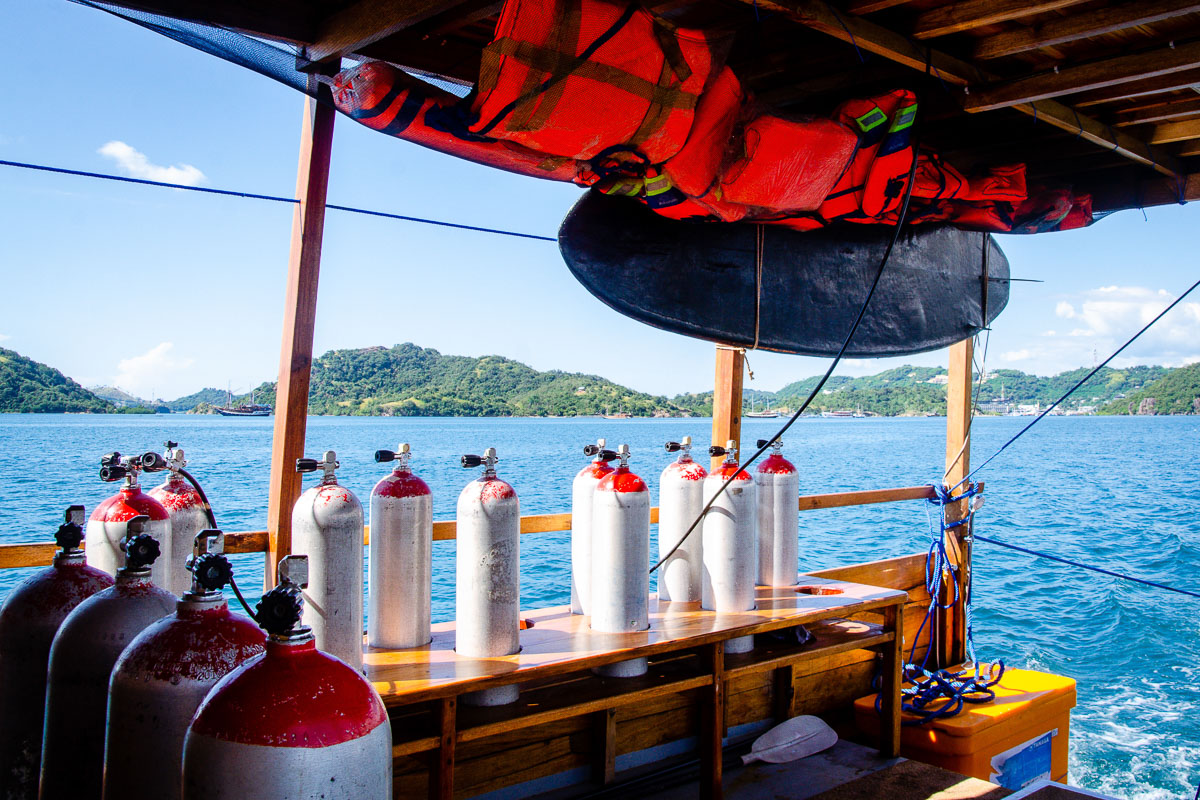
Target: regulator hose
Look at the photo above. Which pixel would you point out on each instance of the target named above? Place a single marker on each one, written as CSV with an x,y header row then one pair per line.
x,y
212,523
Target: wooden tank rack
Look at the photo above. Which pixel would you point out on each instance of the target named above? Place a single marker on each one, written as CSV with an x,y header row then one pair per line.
x,y
685,645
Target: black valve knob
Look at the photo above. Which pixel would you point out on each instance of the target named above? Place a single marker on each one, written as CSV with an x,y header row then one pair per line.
x,y
717,450
170,445
591,449
113,472
673,447
762,443
212,571
607,455
382,456
110,459
279,610
69,535
152,462
307,464
141,550
469,461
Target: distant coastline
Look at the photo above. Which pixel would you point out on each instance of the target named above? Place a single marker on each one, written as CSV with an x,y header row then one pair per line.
x,y
410,381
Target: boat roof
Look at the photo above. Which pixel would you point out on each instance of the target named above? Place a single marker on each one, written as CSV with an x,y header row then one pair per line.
x,y
1099,94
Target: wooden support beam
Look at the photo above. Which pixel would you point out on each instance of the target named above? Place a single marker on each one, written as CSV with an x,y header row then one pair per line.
x,y
712,725
783,692
1188,149
604,746
871,6
441,773
1074,27
1158,113
892,675
368,21
1085,77
1186,79
951,622
818,15
965,16
1125,194
1180,131
727,398
299,319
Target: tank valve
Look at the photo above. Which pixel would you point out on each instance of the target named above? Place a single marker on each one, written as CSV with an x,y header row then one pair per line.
x,y
152,462
623,455
141,549
173,457
70,533
211,570
402,454
776,445
114,467
684,445
487,461
280,609
600,453
329,465
729,451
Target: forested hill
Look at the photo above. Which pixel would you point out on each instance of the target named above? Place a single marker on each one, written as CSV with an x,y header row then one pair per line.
x,y
407,380
1178,392
29,387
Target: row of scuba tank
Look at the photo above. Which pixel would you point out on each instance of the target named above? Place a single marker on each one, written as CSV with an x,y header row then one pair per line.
x,y
100,682
113,684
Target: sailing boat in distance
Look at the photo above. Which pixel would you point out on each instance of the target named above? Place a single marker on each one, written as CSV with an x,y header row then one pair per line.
x,y
768,414
250,409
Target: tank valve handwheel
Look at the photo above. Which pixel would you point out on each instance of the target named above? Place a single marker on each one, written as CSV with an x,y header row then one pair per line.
x,y
279,610
110,473
383,456
152,462
469,461
673,447
212,571
306,465
141,550
70,533
717,450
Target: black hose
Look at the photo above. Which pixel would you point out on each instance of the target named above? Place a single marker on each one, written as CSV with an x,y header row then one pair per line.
x,y
212,523
912,170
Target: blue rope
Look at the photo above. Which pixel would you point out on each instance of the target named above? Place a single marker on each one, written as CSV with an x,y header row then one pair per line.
x,y
938,694
1069,562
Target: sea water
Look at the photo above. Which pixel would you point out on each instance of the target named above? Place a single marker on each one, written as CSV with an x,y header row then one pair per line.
x,y
1122,493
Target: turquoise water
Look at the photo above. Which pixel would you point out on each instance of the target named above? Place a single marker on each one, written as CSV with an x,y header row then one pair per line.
x,y
1120,493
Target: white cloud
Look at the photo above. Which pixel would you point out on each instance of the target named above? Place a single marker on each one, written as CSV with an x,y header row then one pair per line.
x,y
135,164
1064,310
1023,354
144,374
4,337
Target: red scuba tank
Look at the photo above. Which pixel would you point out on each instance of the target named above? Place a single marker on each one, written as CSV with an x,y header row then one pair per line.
x,y
293,722
106,529
29,619
187,510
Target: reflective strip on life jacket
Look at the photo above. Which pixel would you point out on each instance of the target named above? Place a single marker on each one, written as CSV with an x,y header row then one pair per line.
x,y
574,77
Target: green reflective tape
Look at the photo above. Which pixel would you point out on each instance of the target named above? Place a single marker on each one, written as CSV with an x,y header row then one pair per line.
x,y
872,119
904,118
657,185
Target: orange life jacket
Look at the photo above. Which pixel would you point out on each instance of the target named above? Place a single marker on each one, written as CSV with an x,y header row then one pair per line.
x,y
787,165
390,101
693,170
1005,183
575,77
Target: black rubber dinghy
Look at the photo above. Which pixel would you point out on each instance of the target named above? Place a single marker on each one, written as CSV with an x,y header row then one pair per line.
x,y
941,285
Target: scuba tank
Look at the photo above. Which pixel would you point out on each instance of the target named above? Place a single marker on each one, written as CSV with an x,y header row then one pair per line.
x,y
29,619
400,557
81,661
107,527
327,526
680,502
778,487
620,560
186,506
293,722
729,542
161,677
488,573
583,489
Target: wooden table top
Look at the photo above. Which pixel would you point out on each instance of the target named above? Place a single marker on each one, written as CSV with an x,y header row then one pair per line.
x,y
559,641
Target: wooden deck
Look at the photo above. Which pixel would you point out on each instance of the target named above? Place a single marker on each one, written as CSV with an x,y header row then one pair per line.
x,y
685,646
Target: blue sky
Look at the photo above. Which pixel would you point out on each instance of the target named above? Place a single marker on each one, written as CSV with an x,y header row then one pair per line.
x,y
163,291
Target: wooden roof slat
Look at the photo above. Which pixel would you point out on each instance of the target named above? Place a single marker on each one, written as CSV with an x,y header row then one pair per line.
x,y
871,6
1159,113
965,16
1181,131
1189,149
1081,26
1173,82
1083,77
817,15
1123,194
368,21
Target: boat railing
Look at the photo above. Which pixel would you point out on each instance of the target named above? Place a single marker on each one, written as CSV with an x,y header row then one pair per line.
x,y
41,554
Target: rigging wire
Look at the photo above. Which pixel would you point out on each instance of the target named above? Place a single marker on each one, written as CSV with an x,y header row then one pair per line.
x,y
275,199
1080,383
862,312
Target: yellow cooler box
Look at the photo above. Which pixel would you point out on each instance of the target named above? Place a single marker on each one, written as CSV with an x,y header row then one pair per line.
x,y
1017,738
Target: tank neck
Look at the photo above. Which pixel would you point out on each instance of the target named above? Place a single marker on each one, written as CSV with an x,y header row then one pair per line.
x,y
290,644
70,558
132,576
201,603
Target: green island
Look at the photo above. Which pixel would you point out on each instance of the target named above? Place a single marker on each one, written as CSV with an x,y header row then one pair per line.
x,y
408,380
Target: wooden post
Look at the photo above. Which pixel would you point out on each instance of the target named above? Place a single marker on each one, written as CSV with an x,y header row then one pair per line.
x,y
951,628
727,398
441,773
299,318
712,726
604,746
893,657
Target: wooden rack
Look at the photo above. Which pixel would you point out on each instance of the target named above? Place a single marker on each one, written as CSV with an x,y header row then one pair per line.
x,y
685,646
